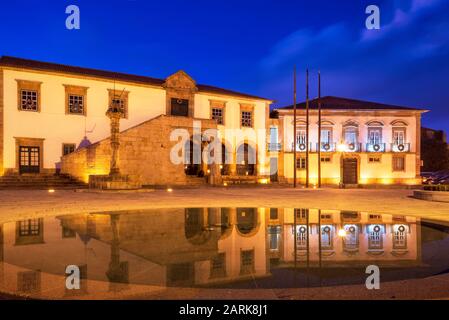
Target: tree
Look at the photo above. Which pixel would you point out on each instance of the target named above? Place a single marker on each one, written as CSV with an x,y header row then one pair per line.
x,y
435,154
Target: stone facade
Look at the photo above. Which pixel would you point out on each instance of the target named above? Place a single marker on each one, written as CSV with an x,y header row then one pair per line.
x,y
144,153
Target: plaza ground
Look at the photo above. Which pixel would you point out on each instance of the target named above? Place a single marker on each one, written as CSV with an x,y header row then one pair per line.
x,y
19,204
16,205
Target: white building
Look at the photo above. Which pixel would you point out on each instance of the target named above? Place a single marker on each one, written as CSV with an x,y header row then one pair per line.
x,y
361,143
47,109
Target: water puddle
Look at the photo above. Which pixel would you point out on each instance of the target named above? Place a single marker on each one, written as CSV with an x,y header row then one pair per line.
x,y
238,248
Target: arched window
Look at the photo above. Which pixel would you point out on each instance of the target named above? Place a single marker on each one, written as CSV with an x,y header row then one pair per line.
x,y
375,237
327,237
375,133
351,133
301,237
400,236
351,240
246,220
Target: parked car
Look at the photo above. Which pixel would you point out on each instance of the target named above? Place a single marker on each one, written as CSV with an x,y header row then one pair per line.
x,y
439,177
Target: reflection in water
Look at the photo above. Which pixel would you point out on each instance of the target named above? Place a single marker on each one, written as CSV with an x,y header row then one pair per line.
x,y
224,247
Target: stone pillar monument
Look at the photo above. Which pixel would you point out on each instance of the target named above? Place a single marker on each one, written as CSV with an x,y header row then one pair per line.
x,y
115,180
114,114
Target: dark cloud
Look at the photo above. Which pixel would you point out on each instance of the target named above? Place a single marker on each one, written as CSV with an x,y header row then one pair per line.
x,y
405,62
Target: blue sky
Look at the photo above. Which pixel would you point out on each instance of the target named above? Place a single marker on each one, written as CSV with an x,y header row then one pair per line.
x,y
251,46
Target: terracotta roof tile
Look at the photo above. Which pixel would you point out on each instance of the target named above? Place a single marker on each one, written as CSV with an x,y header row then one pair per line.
x,y
337,103
54,67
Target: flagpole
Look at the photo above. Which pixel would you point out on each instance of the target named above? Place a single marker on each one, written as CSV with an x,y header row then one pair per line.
x,y
319,129
307,129
294,128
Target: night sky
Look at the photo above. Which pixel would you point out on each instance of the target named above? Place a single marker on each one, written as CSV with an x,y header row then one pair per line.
x,y
251,46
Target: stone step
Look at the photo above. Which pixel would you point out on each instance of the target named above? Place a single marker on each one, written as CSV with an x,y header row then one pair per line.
x,y
230,180
40,181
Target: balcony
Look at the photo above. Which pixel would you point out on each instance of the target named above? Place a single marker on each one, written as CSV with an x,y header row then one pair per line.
x,y
300,147
274,147
327,147
349,147
404,147
375,147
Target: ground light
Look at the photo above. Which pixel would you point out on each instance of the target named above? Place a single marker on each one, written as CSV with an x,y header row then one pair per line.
x,y
169,190
51,190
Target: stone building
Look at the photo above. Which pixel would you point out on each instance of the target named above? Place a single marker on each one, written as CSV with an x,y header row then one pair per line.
x,y
48,111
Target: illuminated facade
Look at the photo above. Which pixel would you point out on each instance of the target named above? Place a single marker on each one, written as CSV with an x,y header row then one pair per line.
x,y
47,109
50,113
361,143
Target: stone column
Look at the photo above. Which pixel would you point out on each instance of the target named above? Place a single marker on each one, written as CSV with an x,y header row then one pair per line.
x,y
114,115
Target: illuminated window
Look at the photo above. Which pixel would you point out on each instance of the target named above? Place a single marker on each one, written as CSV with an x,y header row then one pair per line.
x,y
247,119
274,236
218,266
68,148
76,100
29,95
301,139
28,100
301,237
76,104
247,262
217,115
375,237
326,136
399,237
274,215
301,163
398,163
29,227
351,240
326,237
350,135
374,136
29,281
399,136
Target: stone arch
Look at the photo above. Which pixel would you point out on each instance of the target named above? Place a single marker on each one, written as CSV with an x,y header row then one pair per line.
x,y
192,161
226,158
327,123
194,227
247,224
350,123
399,123
300,123
375,123
246,159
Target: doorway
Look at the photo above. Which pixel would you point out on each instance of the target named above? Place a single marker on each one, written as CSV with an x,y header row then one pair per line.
x,y
274,169
29,159
350,171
